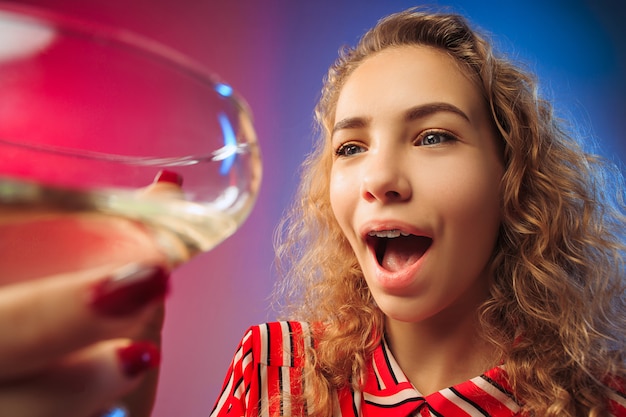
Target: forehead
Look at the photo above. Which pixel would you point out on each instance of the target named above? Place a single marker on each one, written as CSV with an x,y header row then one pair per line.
x,y
398,78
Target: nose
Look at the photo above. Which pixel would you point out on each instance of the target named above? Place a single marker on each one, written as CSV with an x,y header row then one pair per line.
x,y
385,178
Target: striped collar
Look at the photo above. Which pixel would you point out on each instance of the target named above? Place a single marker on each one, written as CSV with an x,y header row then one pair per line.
x,y
388,392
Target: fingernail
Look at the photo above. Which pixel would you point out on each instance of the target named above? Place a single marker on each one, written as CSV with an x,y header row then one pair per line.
x,y
129,290
169,176
138,357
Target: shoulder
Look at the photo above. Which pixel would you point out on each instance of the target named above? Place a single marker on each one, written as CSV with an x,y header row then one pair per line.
x,y
279,343
268,362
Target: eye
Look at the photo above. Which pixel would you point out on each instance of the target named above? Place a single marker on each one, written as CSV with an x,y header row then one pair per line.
x,y
434,137
349,149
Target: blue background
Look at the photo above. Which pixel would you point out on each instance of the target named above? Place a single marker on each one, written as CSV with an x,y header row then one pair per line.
x,y
275,54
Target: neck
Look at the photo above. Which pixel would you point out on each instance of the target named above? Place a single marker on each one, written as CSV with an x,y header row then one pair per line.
x,y
439,352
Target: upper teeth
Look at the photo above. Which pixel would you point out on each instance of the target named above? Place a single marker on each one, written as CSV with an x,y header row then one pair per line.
x,y
388,233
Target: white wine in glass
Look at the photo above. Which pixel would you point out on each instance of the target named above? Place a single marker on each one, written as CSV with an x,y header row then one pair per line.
x,y
90,116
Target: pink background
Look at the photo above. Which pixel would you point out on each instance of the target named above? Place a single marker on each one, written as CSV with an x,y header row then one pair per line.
x,y
275,53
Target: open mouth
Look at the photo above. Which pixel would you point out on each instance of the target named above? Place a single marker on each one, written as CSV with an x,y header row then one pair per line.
x,y
396,250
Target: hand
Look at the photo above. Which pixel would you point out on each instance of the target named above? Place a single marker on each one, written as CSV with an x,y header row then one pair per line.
x,y
70,309
71,350
81,310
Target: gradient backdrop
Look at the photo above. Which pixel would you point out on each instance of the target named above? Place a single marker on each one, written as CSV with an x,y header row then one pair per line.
x,y
275,54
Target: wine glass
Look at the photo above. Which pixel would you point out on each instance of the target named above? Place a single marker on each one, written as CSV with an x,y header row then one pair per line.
x,y
90,116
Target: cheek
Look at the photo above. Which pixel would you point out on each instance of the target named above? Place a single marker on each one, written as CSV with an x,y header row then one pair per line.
x,y
343,199
468,200
340,200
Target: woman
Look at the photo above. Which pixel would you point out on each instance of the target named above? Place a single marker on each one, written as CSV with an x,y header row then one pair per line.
x,y
450,250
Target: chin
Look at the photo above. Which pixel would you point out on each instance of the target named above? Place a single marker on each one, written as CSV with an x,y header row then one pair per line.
x,y
405,314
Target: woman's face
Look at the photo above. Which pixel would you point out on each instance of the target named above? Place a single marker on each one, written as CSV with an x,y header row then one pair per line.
x,y
415,182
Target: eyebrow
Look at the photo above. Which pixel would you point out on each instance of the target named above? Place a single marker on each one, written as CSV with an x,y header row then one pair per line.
x,y
351,123
414,113
419,112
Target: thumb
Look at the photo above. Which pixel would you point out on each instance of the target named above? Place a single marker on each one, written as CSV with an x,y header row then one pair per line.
x,y
82,384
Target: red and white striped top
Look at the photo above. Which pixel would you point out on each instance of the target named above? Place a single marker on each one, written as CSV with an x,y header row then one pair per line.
x,y
267,371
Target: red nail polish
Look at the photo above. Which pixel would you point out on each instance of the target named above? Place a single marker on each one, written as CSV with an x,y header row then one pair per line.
x,y
169,176
138,357
129,290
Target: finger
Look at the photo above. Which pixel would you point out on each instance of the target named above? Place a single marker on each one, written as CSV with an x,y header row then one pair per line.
x,y
167,184
35,245
47,319
140,401
82,384
39,243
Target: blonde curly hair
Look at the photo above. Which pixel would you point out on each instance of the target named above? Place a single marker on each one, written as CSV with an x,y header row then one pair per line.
x,y
556,312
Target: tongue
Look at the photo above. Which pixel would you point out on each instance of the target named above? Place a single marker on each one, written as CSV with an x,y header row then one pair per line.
x,y
403,251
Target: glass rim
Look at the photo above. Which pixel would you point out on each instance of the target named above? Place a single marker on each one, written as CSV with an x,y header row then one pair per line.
x,y
134,43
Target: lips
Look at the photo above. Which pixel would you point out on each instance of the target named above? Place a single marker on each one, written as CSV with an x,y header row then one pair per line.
x,y
396,251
